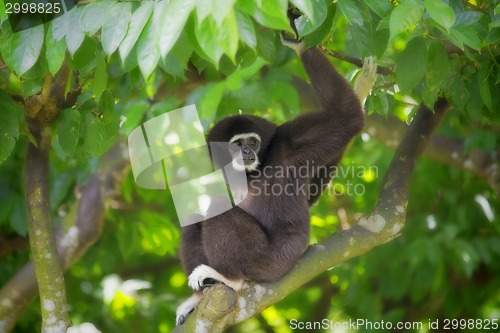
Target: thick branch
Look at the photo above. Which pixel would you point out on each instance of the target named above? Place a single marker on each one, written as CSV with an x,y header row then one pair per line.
x,y
382,225
441,148
85,222
41,235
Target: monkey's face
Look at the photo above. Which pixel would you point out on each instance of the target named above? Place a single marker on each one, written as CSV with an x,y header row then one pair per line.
x,y
249,145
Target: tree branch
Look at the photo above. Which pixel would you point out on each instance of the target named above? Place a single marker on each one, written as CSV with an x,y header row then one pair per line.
x,y
356,61
42,237
382,225
40,112
441,148
474,7
83,226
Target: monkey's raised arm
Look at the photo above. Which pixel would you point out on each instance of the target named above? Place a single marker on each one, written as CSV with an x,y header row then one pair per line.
x,y
322,136
332,90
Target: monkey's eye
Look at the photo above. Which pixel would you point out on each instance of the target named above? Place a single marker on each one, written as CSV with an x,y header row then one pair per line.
x,y
251,143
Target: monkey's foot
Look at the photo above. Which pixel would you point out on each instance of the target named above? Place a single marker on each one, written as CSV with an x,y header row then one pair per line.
x,y
186,308
203,276
366,78
295,44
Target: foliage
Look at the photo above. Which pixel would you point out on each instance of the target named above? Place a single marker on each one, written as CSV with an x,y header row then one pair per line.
x,y
132,61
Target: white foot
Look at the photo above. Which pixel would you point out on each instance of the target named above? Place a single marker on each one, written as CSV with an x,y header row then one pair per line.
x,y
201,273
186,307
366,78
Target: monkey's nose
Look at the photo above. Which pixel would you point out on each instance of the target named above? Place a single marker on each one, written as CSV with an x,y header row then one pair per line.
x,y
246,151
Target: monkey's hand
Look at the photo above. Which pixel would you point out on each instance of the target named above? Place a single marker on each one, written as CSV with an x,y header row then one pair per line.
x,y
366,78
204,276
294,43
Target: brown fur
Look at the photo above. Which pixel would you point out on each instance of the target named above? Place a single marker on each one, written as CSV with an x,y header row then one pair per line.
x,y
262,238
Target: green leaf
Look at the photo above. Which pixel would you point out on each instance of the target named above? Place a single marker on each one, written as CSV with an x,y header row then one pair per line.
x,y
135,110
480,140
18,218
317,23
429,97
95,14
55,52
246,29
439,66
26,46
84,58
351,12
362,38
220,10
200,59
484,86
203,10
493,37
61,188
266,46
228,36
115,27
174,20
465,35
315,33
3,14
96,138
209,102
405,16
75,34
68,130
100,76
381,104
139,19
148,50
306,7
207,37
271,13
460,95
9,125
468,18
411,65
175,63
106,108
381,8
61,25
8,201
441,13
315,11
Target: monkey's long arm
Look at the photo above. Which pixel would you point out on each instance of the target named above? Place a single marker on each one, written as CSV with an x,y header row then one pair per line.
x,y
332,90
322,136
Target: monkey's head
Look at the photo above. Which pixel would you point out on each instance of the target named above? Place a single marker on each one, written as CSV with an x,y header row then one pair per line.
x,y
249,135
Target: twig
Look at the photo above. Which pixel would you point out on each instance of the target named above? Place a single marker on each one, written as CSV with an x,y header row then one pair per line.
x,y
474,7
356,61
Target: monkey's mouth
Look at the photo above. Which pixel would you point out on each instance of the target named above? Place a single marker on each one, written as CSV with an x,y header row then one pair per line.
x,y
245,161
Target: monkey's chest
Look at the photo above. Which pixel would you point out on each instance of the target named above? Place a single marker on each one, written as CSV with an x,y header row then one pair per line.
x,y
274,201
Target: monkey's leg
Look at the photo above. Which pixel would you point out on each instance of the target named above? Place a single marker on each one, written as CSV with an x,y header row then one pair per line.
x,y
187,307
191,251
238,247
192,256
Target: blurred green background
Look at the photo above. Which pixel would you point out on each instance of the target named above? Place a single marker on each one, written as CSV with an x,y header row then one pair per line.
x,y
228,57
